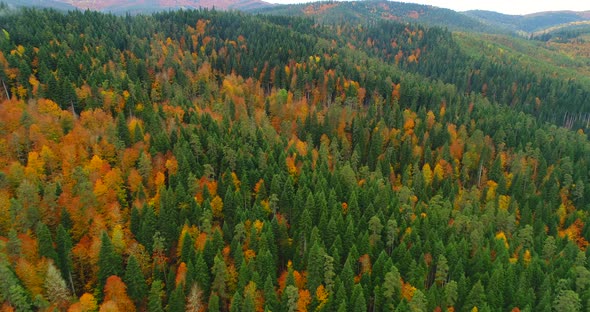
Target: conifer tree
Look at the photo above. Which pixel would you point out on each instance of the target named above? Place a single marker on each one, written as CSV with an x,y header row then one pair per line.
x,y
109,261
46,248
135,281
155,297
176,303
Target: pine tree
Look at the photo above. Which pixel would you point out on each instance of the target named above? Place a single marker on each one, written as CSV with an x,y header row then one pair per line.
x,y
442,270
202,277
418,303
135,281
347,276
148,228
476,297
187,248
392,288
176,301
315,267
236,302
451,293
168,217
270,296
123,132
291,296
64,254
45,242
155,297
219,270
109,261
358,299
135,222
567,301
214,303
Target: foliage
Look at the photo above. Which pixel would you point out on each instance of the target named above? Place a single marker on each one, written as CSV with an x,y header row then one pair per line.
x,y
207,160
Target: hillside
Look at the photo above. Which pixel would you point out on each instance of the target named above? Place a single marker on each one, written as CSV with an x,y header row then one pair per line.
x,y
201,160
480,60
56,4
141,6
362,12
531,22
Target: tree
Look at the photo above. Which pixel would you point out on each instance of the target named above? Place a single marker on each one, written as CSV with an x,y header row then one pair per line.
x,y
315,265
358,299
176,301
567,301
46,248
476,297
135,281
236,302
55,287
87,303
292,296
155,297
391,234
213,303
375,227
392,287
220,275
418,303
18,297
451,293
442,271
270,296
109,261
202,276
116,291
64,254
194,299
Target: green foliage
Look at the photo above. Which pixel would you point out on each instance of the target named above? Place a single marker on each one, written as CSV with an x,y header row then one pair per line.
x,y
109,261
155,297
46,248
135,281
339,167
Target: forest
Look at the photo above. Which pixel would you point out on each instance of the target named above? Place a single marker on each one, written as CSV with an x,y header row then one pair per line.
x,y
200,160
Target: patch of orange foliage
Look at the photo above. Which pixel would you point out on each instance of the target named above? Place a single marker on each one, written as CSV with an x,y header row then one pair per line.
x,y
304,300
319,8
574,233
408,291
413,14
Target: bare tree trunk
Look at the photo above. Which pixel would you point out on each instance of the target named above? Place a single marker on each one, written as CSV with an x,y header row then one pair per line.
x,y
72,284
5,90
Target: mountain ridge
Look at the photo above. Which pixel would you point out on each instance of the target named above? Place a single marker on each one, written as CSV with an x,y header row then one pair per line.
x,y
529,23
141,6
363,12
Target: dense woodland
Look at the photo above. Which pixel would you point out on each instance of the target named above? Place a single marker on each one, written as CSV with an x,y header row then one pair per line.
x,y
210,161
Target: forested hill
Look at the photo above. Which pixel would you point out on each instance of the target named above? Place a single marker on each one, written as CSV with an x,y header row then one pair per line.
x,y
362,12
215,161
140,6
531,22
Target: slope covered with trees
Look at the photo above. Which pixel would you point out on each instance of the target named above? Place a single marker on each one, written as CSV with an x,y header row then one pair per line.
x,y
529,23
363,12
209,161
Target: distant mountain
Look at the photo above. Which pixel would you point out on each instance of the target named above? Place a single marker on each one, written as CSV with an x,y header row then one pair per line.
x,y
358,12
142,6
477,20
56,4
531,22
370,11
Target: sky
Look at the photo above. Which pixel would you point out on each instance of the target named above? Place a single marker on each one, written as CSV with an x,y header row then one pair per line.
x,y
502,6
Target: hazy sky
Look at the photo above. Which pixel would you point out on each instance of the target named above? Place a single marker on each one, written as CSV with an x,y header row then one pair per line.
x,y
503,6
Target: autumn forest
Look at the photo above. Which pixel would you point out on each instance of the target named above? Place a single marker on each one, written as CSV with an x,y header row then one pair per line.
x,y
203,160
